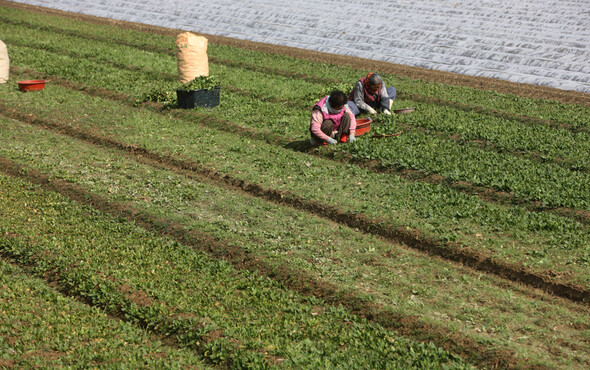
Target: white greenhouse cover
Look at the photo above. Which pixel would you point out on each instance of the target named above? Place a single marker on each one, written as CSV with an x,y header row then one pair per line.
x,y
541,42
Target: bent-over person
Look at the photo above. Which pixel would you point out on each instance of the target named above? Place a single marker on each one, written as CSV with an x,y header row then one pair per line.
x,y
332,120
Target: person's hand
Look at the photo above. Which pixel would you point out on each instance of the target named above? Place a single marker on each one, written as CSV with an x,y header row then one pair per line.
x,y
386,111
371,110
351,138
331,141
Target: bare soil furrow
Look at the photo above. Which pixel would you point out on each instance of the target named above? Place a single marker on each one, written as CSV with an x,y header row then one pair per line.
x,y
413,238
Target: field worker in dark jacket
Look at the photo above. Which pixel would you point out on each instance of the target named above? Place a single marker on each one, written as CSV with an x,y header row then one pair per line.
x,y
332,120
371,95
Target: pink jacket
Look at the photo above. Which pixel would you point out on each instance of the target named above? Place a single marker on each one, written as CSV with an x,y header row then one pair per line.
x,y
320,115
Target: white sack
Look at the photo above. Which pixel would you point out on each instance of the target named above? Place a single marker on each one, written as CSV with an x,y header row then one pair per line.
x,y
192,56
4,63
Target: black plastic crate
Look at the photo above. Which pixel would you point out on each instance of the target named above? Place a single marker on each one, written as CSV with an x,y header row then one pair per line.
x,y
198,98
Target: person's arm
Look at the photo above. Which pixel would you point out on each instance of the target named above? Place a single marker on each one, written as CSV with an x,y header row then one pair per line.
x,y
385,99
352,133
316,124
352,121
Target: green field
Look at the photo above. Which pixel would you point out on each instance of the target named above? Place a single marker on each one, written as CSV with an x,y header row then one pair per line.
x,y
138,234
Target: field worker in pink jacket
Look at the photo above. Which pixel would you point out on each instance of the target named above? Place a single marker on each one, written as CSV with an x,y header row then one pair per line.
x,y
371,95
332,121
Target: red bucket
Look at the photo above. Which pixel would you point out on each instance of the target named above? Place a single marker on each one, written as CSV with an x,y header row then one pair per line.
x,y
31,85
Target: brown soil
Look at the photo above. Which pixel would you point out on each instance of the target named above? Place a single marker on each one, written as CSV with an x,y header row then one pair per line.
x,y
526,90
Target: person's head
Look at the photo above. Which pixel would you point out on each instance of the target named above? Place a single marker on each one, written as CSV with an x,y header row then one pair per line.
x,y
337,99
374,82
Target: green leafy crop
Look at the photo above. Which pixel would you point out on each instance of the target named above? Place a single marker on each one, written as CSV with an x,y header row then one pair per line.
x,y
200,83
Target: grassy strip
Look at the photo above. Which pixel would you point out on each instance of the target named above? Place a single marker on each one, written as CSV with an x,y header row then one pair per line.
x,y
422,203
247,222
174,291
383,127
529,180
41,328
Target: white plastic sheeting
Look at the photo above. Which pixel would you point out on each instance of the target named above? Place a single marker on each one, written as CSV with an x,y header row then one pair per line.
x,y
542,42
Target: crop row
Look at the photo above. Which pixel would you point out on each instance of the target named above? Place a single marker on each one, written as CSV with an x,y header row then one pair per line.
x,y
507,136
430,208
572,115
273,233
42,328
274,138
465,166
440,208
426,207
529,180
550,144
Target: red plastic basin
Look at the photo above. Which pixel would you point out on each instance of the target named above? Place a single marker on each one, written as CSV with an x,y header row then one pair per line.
x,y
31,85
363,125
